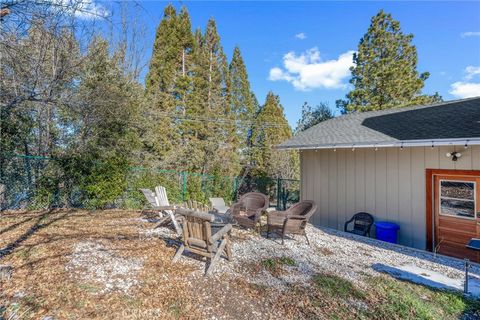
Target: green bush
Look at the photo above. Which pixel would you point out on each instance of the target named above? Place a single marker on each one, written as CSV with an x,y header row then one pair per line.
x,y
94,183
142,178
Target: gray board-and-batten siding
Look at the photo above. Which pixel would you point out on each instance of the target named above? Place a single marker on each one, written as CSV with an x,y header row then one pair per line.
x,y
388,182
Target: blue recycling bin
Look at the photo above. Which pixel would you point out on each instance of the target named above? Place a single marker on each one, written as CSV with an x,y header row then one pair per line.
x,y
387,231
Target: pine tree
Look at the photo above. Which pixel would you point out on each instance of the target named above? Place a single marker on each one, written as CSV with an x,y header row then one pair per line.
x,y
210,144
106,111
105,91
312,117
161,135
385,72
168,84
185,40
272,128
166,49
241,101
194,128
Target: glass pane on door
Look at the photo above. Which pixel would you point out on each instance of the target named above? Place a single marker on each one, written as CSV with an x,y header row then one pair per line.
x,y
457,198
458,189
457,208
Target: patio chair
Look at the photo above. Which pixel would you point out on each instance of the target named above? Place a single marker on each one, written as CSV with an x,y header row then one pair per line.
x,y
198,238
292,221
362,223
166,207
218,204
161,205
248,210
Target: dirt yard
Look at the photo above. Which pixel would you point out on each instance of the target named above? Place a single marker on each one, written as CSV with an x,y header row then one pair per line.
x,y
115,265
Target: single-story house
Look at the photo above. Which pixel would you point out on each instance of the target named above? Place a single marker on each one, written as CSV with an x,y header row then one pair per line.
x,y
416,166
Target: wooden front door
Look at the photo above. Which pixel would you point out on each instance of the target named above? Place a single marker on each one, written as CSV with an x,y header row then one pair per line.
x,y
457,215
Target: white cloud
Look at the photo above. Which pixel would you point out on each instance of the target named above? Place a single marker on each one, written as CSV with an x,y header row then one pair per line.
x,y
470,34
83,9
307,71
467,88
472,71
277,74
301,36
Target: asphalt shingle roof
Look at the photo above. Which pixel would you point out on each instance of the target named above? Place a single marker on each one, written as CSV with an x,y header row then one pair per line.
x,y
447,120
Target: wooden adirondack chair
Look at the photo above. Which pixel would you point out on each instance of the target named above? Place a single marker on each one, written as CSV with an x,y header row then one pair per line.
x,y
165,206
162,206
152,200
197,237
196,206
218,204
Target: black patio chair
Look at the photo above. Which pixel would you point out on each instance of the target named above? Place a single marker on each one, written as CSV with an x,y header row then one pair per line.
x,y
362,223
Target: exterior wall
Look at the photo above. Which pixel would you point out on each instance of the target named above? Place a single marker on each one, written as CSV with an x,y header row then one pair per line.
x,y
388,183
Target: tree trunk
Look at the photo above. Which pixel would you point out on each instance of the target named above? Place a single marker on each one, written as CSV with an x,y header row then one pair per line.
x,y
183,62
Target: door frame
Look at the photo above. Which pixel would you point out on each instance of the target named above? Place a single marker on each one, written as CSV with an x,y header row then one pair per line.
x,y
430,201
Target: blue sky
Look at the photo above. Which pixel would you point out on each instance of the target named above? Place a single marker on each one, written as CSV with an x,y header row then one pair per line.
x,y
301,50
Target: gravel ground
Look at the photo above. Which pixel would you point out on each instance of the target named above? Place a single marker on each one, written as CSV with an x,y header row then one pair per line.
x,y
331,251
95,262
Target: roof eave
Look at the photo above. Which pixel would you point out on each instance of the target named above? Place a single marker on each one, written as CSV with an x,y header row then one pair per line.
x,y
386,144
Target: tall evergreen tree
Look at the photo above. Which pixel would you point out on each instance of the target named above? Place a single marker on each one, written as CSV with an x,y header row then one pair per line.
x,y
161,133
106,111
241,101
185,39
166,49
168,83
311,117
211,144
272,128
385,72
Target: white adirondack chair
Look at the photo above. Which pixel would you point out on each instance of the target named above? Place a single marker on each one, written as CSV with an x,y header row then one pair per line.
x,y
218,204
152,200
161,204
165,206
